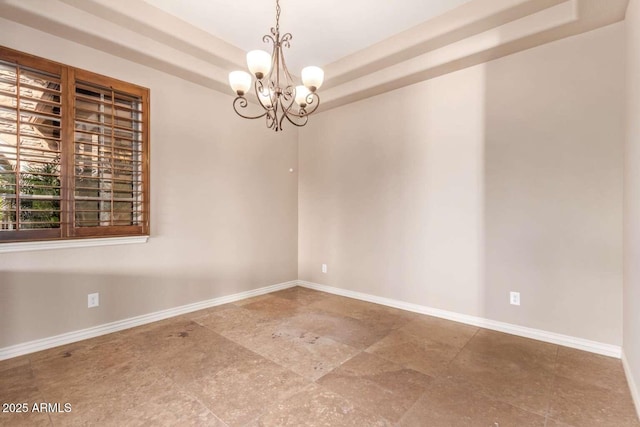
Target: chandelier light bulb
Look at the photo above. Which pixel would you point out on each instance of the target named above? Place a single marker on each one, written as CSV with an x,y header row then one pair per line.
x,y
240,82
259,63
312,77
301,95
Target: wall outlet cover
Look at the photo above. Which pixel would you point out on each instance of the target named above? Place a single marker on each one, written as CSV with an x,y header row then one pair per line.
x,y
514,298
93,300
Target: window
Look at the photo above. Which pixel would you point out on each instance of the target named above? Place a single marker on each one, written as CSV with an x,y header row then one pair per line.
x,y
74,152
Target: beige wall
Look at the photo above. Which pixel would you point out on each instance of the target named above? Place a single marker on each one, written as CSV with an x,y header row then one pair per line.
x,y
631,346
452,192
224,212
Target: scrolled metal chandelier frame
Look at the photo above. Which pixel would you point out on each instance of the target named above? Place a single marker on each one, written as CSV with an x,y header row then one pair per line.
x,y
274,87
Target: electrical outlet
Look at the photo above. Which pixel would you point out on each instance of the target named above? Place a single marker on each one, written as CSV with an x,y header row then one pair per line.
x,y
93,300
514,298
324,268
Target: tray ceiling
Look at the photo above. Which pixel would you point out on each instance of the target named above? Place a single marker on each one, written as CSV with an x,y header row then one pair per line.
x,y
323,30
369,47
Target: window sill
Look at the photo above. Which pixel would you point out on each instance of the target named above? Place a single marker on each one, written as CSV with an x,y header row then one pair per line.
x,y
66,244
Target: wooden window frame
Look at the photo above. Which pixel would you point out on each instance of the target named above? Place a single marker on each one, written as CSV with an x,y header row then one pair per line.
x,y
69,76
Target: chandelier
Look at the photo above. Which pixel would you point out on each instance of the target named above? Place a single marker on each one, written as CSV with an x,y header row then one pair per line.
x,y
274,87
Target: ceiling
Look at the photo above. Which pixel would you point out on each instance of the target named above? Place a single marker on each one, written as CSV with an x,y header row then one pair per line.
x,y
366,47
323,30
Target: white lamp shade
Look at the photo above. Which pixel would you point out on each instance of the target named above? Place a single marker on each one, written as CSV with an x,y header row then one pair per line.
x,y
259,63
301,95
265,97
240,81
312,77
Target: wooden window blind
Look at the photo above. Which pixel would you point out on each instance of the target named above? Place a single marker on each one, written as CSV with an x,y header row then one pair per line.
x,y
74,150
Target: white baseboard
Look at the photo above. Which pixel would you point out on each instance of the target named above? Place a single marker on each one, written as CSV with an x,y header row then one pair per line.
x,y
74,336
536,334
107,328
633,386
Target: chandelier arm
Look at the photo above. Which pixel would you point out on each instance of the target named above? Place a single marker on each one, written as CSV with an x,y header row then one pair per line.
x,y
310,101
258,87
288,94
267,38
288,112
287,74
277,53
277,124
271,120
304,117
274,63
285,40
242,102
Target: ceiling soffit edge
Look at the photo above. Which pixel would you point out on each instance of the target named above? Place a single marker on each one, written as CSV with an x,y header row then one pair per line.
x,y
476,32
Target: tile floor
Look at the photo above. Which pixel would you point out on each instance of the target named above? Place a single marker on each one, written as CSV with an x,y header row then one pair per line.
x,y
300,357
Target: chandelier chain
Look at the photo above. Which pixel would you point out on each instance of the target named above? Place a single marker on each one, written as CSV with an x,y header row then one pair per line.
x,y
278,16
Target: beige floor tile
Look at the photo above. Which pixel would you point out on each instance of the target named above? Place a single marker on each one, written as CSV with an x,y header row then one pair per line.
x,y
305,353
446,404
188,350
273,307
111,348
315,406
382,316
16,383
18,386
300,295
439,330
127,333
420,354
343,329
98,389
241,392
554,423
106,394
252,300
175,408
28,419
207,312
524,352
590,368
234,323
377,385
172,337
201,360
14,362
519,384
585,405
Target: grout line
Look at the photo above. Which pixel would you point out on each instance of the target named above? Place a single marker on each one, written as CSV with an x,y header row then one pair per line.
x,y
36,380
552,386
194,397
461,348
176,385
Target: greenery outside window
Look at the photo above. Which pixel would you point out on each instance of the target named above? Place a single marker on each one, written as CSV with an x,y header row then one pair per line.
x,y
74,152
